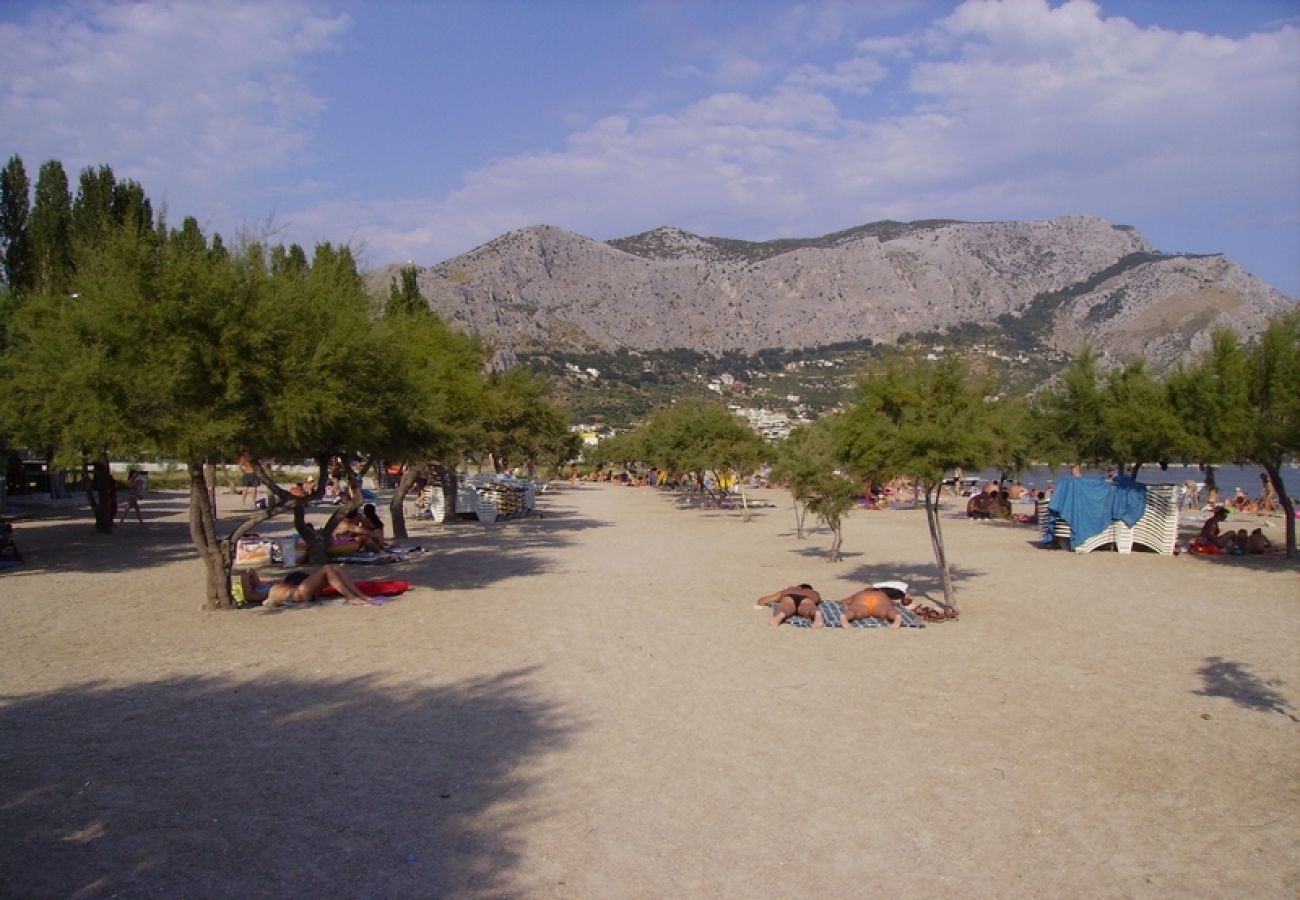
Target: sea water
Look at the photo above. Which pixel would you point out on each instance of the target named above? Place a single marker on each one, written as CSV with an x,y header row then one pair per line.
x,y
1228,478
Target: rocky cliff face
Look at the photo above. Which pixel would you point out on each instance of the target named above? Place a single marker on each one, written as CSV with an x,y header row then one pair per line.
x,y
1072,280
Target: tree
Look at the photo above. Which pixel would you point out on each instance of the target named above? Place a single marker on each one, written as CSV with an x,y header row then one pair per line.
x,y
50,232
699,438
1273,386
446,368
15,211
806,462
1069,424
517,423
919,420
406,297
1211,400
1141,425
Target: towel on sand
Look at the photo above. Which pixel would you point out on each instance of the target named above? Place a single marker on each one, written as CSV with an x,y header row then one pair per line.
x,y
833,610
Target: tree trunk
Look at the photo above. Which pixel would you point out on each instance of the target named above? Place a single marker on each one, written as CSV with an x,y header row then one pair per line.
x,y
1136,468
217,555
103,496
936,539
837,538
397,506
449,481
799,512
744,504
1288,508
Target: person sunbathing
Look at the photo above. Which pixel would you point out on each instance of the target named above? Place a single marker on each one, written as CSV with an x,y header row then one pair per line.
x,y
875,603
301,587
796,600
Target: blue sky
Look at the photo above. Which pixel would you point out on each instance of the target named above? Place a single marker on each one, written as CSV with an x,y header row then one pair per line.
x,y
419,130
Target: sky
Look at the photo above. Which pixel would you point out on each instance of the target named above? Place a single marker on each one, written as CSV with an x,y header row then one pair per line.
x,y
415,131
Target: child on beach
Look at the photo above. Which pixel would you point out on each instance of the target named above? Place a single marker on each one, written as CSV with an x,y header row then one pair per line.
x,y
798,599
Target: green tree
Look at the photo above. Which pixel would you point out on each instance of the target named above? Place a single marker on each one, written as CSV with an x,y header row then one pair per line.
x,y
700,439
1274,405
920,421
1211,400
517,422
1069,423
50,231
15,212
807,464
405,298
446,368
1140,422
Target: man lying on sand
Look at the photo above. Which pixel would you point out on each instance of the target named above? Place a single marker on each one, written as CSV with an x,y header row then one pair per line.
x,y
301,587
796,600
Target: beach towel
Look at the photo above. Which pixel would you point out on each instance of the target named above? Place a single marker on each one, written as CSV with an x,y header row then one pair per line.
x,y
833,611
368,559
1091,504
373,588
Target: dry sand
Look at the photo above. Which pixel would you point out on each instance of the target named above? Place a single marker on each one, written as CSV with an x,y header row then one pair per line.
x,y
587,705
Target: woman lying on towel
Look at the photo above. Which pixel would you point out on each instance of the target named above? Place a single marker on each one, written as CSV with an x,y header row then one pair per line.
x,y
884,602
796,600
301,587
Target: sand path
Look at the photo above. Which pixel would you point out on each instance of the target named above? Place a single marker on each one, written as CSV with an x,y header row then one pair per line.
x,y
587,705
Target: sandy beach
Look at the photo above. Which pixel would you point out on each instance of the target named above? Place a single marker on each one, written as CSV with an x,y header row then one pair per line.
x,y
586,704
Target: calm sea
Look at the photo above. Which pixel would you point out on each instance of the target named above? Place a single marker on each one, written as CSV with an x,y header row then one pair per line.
x,y
1228,478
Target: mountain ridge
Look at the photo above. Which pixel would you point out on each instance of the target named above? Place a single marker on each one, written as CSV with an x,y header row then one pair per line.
x,y
1061,283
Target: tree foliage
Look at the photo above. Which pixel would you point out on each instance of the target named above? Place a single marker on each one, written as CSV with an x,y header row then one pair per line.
x,y
807,464
920,421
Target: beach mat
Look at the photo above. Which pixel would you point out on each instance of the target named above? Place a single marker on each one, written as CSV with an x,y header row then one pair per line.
x,y
372,588
833,611
366,559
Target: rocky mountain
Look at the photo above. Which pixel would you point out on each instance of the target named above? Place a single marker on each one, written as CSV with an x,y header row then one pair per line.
x,y
1059,284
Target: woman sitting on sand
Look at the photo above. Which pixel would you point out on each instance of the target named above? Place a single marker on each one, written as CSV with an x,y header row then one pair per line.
x,y
356,526
300,587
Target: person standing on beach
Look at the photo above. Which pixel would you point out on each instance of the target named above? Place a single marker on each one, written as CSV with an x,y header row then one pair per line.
x,y
134,487
248,481
1267,495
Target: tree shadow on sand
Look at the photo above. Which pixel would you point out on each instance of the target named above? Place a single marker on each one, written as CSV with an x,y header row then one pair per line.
x,y
1235,681
202,787
462,553
470,554
922,580
64,539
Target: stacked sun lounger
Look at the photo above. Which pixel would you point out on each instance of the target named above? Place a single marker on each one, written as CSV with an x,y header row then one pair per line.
x,y
1157,530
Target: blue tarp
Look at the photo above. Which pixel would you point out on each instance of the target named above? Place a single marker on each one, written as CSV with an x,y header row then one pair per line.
x,y
1091,504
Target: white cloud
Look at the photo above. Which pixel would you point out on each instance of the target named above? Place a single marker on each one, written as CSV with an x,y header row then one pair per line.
x,y
1017,109
191,99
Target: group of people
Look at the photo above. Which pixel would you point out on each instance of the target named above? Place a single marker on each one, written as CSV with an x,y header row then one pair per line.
x,y
992,504
365,527
876,602
1240,501
1238,542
